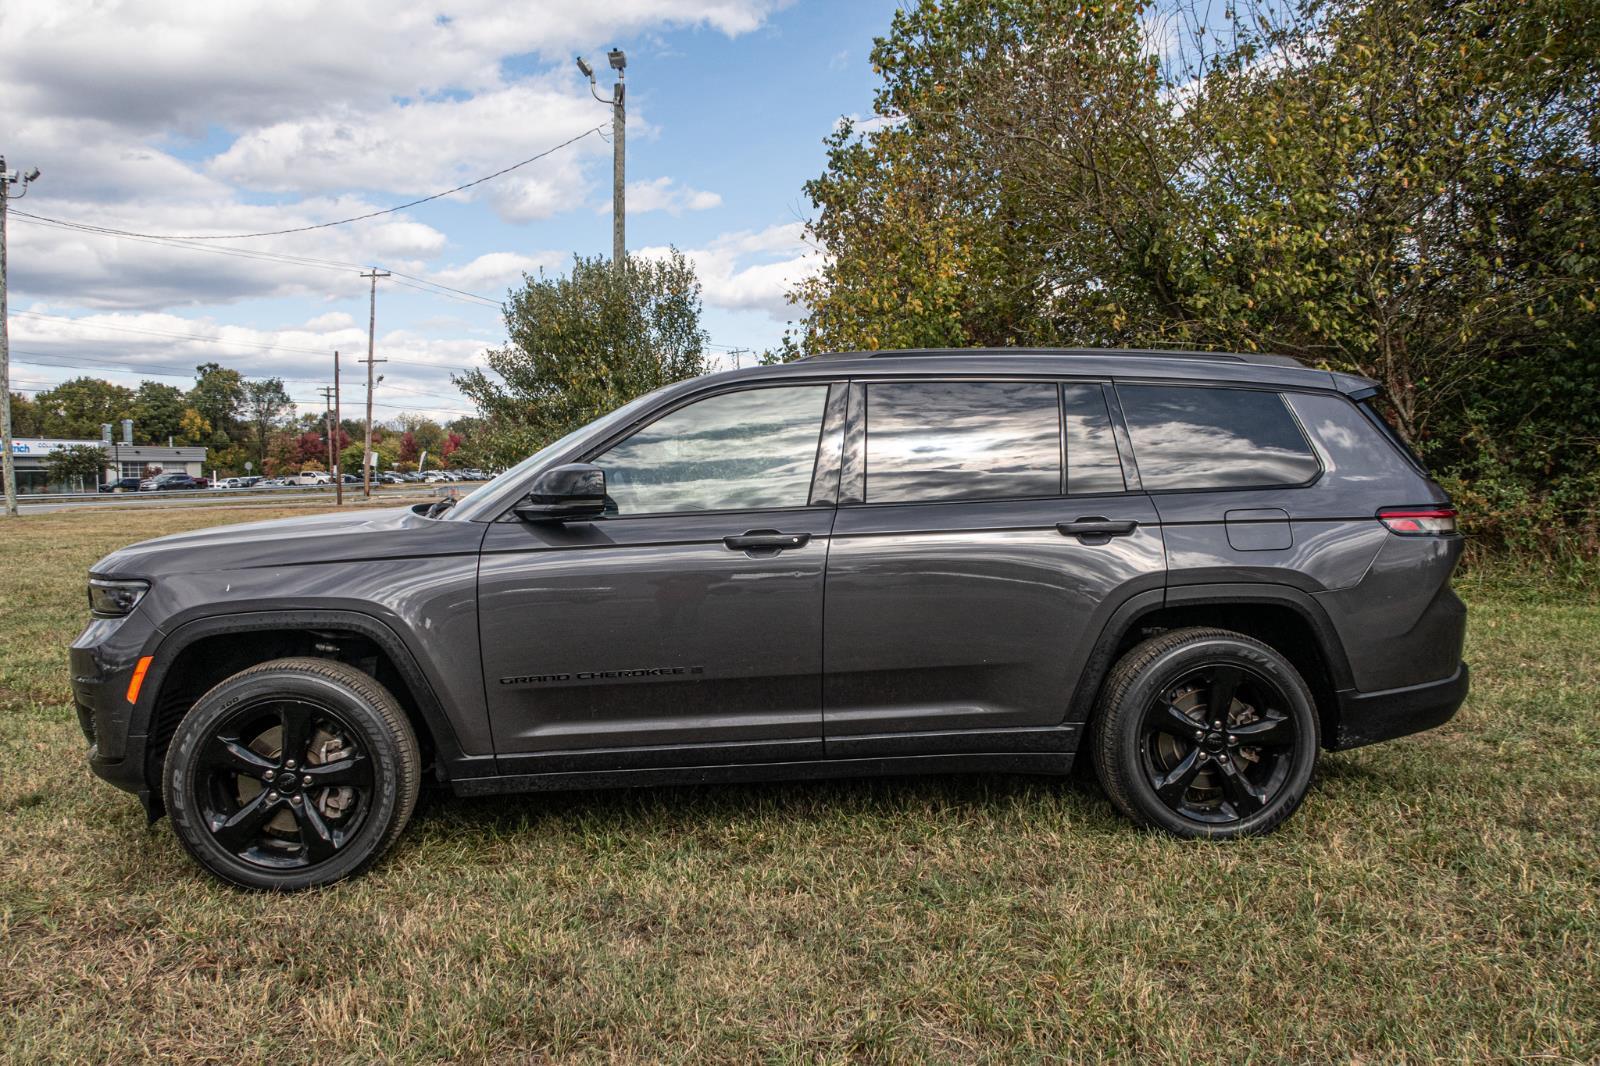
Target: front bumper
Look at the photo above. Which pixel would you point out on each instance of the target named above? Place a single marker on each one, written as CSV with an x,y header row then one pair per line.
x,y
1371,717
102,662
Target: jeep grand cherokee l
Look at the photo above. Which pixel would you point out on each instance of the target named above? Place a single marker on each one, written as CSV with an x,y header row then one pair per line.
x,y
1197,570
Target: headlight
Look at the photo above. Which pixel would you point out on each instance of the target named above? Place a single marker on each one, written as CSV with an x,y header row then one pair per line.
x,y
113,599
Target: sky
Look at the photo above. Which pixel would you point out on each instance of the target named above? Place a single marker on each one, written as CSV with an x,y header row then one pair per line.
x,y
172,118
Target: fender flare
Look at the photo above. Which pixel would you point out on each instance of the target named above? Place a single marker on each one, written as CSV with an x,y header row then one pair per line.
x,y
1141,605
167,648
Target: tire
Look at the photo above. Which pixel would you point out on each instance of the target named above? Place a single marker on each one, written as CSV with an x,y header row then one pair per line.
x,y
260,817
1163,762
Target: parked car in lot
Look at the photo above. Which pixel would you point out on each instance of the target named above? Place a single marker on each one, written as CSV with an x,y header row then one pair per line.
x,y
1196,571
312,477
121,484
168,482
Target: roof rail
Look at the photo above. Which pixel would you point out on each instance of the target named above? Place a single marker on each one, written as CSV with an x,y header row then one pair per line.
x,y
1147,353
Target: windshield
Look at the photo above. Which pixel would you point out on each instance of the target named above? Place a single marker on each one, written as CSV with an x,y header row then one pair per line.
x,y
485,501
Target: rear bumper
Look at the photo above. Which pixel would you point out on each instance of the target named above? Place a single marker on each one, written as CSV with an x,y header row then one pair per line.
x,y
1370,717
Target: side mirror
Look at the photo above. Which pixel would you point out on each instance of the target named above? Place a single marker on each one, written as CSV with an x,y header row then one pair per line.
x,y
575,490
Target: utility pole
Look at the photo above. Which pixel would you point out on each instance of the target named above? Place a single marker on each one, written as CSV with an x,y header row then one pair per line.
x,y
372,325
338,427
327,420
736,353
619,124
8,178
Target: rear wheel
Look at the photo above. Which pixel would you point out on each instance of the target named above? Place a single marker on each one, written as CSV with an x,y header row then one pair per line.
x,y
292,774
1206,733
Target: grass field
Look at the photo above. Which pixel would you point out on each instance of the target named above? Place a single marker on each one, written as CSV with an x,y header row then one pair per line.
x,y
1436,898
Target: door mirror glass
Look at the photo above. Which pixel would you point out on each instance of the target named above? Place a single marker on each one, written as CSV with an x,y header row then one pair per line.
x,y
573,490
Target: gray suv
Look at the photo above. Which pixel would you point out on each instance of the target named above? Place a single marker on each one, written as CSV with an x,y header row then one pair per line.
x,y
1199,570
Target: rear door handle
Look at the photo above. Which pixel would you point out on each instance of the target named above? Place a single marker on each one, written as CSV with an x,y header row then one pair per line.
x,y
769,540
1097,530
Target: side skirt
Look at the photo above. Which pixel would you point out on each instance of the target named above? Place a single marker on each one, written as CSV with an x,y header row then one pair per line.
x,y
1051,763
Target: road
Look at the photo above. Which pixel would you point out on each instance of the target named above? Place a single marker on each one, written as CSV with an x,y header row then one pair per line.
x,y
242,498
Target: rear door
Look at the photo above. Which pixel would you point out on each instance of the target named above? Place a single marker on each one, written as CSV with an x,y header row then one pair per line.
x,y
986,530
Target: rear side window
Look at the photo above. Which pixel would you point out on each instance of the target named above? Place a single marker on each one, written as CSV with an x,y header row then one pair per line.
x,y
962,440
1192,437
1092,461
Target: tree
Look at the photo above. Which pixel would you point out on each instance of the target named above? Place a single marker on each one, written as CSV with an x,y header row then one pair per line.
x,y
193,428
77,464
157,412
264,404
583,345
78,408
217,395
1407,189
24,417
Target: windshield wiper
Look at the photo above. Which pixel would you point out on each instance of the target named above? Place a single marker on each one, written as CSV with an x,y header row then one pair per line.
x,y
441,507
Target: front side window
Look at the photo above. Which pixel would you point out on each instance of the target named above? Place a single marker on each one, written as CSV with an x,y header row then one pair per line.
x,y
1192,437
962,440
739,451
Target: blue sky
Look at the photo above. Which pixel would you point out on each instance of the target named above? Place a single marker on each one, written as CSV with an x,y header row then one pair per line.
x,y
179,118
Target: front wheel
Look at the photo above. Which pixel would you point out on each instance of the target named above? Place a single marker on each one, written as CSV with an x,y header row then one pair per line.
x,y
1206,733
292,774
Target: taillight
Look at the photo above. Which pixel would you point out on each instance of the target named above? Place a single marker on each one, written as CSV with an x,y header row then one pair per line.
x,y
1419,521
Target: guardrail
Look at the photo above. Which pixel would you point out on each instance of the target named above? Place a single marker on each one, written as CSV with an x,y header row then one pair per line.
x,y
436,488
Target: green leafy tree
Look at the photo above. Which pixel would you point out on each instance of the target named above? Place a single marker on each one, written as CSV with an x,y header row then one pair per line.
x,y
78,465
218,395
158,412
24,417
1407,189
583,345
78,408
265,403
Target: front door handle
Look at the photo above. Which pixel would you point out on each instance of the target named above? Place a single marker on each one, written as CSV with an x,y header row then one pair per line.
x,y
1097,530
766,540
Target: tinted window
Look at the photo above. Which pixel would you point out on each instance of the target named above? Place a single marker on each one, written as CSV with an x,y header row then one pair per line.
x,y
735,452
1187,437
1092,461
962,440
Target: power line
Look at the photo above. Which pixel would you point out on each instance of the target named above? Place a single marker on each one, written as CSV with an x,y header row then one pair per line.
x,y
338,222
258,254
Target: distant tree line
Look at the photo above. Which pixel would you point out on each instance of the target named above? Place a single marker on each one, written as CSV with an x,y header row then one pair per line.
x,y
238,420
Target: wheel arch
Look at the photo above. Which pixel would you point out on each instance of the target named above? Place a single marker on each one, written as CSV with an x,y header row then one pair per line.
x,y
201,653
1284,618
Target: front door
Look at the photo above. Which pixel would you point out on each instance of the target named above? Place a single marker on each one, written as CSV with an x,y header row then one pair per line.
x,y
684,627
969,574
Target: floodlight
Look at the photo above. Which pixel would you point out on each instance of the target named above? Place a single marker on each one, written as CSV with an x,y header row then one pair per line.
x,y
588,71
32,175
618,60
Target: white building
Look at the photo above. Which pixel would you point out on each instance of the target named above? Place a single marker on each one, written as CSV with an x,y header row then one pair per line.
x,y
31,456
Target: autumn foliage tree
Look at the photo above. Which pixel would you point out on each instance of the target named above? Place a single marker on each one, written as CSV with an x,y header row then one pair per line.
x,y
1408,189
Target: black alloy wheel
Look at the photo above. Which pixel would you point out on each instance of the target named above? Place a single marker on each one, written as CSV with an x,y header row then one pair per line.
x,y
284,783
292,774
1206,733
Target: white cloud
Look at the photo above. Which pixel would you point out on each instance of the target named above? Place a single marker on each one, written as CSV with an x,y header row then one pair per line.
x,y
497,270
663,194
333,320
752,269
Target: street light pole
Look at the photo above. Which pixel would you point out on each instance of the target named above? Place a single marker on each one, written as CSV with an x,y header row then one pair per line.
x,y
619,130
8,178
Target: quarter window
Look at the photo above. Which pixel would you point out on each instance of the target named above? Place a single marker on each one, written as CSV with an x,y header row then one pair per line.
x,y
962,440
1092,461
1187,437
739,451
